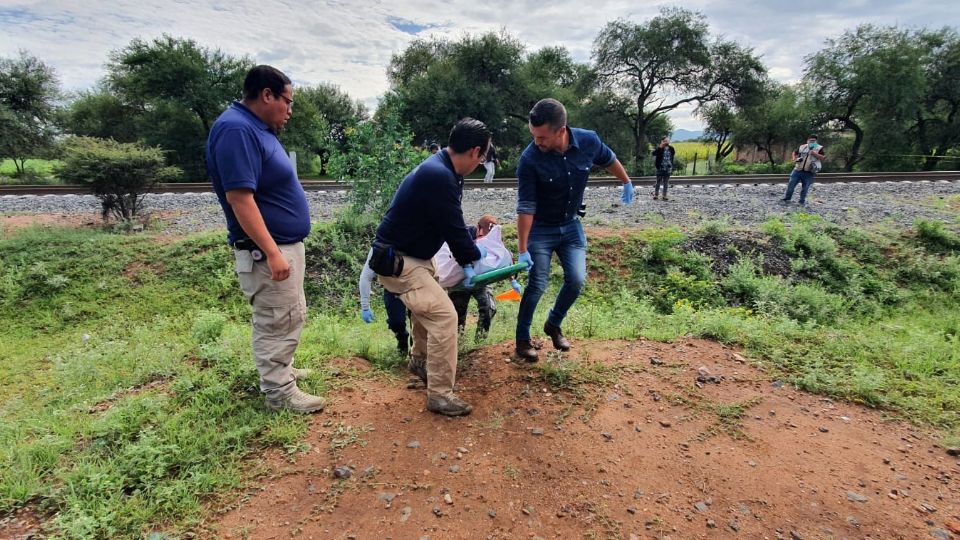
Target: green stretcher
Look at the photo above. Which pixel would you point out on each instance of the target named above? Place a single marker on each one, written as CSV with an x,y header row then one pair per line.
x,y
493,276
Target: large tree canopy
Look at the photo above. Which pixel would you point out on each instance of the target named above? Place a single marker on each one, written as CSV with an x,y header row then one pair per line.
x,y
29,93
667,62
178,89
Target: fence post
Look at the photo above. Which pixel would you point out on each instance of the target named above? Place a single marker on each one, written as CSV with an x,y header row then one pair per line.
x,y
695,156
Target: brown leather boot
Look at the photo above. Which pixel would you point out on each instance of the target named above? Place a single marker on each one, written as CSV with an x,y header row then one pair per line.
x,y
556,335
526,351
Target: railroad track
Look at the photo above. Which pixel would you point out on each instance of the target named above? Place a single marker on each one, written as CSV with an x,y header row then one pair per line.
x,y
736,179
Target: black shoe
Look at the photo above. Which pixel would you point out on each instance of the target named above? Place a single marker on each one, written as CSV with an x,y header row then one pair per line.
x,y
448,405
418,368
556,335
526,351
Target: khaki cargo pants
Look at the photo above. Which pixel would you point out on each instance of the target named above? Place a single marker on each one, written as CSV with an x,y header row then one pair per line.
x,y
433,320
279,311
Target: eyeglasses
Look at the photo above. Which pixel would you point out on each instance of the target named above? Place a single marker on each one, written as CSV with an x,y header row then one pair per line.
x,y
286,99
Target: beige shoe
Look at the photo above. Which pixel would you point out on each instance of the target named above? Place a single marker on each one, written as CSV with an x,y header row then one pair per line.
x,y
297,401
301,373
449,405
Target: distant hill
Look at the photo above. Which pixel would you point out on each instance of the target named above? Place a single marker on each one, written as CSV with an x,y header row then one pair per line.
x,y
681,135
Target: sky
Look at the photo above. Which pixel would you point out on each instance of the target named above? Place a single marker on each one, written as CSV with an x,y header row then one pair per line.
x,y
350,43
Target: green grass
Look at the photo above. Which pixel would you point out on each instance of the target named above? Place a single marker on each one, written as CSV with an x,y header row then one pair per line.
x,y
129,401
38,171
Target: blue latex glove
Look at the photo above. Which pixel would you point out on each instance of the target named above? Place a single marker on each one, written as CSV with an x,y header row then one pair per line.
x,y
627,195
470,273
366,315
516,286
525,258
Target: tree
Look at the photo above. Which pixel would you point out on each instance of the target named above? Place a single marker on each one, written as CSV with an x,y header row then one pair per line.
x,y
720,124
178,88
378,155
100,113
668,62
937,127
321,115
119,174
29,92
777,121
489,76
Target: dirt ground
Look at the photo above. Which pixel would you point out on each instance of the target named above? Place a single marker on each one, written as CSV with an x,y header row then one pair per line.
x,y
643,451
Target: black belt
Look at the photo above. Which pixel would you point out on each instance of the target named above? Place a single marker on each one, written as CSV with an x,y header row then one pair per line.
x,y
247,244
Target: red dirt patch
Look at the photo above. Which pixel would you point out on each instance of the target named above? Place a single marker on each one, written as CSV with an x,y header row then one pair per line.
x,y
649,454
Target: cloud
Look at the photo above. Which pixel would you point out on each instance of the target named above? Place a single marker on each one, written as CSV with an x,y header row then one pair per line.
x,y
350,43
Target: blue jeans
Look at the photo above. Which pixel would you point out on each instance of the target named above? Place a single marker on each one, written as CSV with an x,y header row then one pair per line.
x,y
570,245
797,177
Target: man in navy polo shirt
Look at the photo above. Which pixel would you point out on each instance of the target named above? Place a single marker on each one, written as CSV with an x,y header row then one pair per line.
x,y
267,219
552,173
426,212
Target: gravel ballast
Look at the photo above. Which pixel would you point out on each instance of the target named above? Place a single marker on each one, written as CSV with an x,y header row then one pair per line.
x,y
893,203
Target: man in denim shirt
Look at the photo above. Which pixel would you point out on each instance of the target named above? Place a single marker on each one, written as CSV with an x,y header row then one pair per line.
x,y
552,173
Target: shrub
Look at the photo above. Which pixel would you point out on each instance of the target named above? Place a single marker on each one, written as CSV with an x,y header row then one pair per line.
x,y
119,174
378,155
208,326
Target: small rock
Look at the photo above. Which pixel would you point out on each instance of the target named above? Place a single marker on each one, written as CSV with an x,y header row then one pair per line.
x,y
953,451
454,469
734,526
941,534
443,455
856,497
405,514
525,510
437,511
613,396
700,507
387,499
665,423
537,431
656,361
638,494
492,513
607,436
778,384
822,429
447,498
342,473
413,444
462,450
711,524
637,428
631,510
795,535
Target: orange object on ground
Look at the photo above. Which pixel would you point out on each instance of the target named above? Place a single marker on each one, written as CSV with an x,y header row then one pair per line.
x,y
509,295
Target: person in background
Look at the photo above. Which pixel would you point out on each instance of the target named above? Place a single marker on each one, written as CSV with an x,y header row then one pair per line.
x,y
434,148
807,163
490,163
396,311
663,157
267,219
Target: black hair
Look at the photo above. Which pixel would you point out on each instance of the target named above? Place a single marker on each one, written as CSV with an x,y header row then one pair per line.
x,y
812,136
262,77
548,111
434,146
469,133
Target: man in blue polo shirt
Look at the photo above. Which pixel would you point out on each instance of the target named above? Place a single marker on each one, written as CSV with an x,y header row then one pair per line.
x,y
426,212
552,173
267,219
